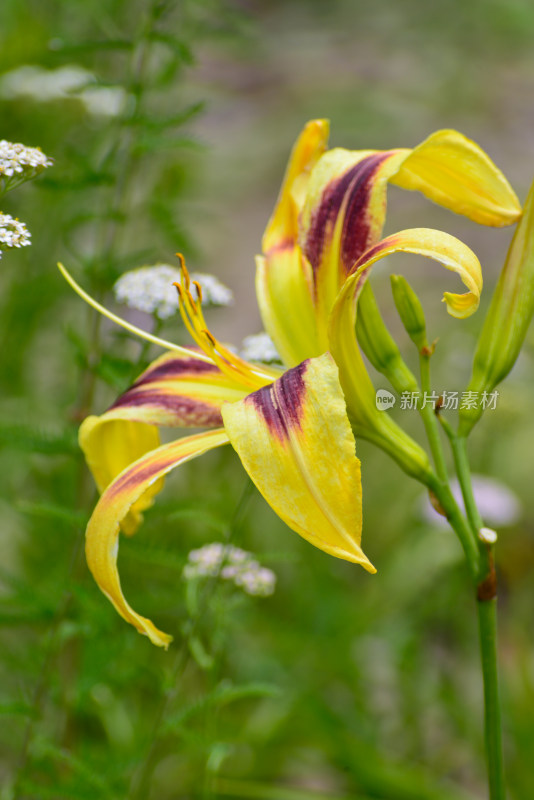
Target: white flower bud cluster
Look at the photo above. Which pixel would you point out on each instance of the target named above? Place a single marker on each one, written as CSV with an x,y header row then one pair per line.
x,y
259,347
12,233
151,289
231,564
18,160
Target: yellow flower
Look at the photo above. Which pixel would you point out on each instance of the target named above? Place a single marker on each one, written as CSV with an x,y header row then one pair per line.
x,y
290,428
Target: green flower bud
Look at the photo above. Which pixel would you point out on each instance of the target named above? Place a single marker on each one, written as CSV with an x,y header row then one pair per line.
x,y
508,317
410,311
379,346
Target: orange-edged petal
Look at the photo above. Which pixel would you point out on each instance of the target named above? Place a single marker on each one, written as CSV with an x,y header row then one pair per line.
x,y
177,391
295,441
103,528
455,172
310,145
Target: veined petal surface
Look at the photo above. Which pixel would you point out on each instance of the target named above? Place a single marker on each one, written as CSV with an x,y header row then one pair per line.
x,y
455,172
103,528
176,391
295,441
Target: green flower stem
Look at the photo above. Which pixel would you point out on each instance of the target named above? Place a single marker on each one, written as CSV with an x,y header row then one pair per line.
x,y
459,450
429,420
458,523
486,586
487,626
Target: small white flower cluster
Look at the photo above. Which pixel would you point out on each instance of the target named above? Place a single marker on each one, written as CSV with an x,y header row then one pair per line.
x,y
259,347
16,159
12,233
151,289
231,564
70,81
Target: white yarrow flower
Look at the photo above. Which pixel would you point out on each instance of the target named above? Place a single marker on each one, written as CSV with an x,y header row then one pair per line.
x,y
151,289
230,564
13,233
259,347
18,158
68,82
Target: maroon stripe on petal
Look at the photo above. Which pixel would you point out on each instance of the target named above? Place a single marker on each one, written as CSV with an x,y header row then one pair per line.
x,y
175,368
353,188
358,232
188,411
136,477
373,251
281,403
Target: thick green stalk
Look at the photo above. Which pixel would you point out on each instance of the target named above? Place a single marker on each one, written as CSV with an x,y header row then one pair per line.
x,y
487,626
486,586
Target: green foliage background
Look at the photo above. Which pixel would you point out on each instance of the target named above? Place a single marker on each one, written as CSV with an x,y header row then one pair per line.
x,y
342,685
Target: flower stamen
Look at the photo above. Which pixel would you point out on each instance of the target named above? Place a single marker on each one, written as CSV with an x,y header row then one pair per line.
x,y
228,362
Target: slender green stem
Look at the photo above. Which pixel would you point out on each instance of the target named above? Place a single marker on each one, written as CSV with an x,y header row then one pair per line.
x,y
461,460
459,525
487,625
486,585
430,422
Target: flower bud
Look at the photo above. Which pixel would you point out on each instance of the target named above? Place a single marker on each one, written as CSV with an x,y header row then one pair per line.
x,y
410,311
379,346
508,317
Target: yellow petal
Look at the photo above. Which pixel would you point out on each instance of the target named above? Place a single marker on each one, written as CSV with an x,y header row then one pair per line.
x,y
343,214
295,441
360,396
455,172
449,251
285,294
109,446
282,227
175,391
439,246
103,528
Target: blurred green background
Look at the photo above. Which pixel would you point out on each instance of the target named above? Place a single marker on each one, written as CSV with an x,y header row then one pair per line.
x,y
342,685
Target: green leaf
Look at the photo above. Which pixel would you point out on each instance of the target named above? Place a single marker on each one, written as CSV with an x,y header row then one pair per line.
x,y
53,511
21,436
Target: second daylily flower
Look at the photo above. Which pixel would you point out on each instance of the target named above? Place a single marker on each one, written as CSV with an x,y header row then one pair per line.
x,y
291,429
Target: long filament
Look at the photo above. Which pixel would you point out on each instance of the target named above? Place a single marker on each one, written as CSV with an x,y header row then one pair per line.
x,y
128,326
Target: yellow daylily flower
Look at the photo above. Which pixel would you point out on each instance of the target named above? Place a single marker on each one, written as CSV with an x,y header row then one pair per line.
x,y
328,220
289,427
331,210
